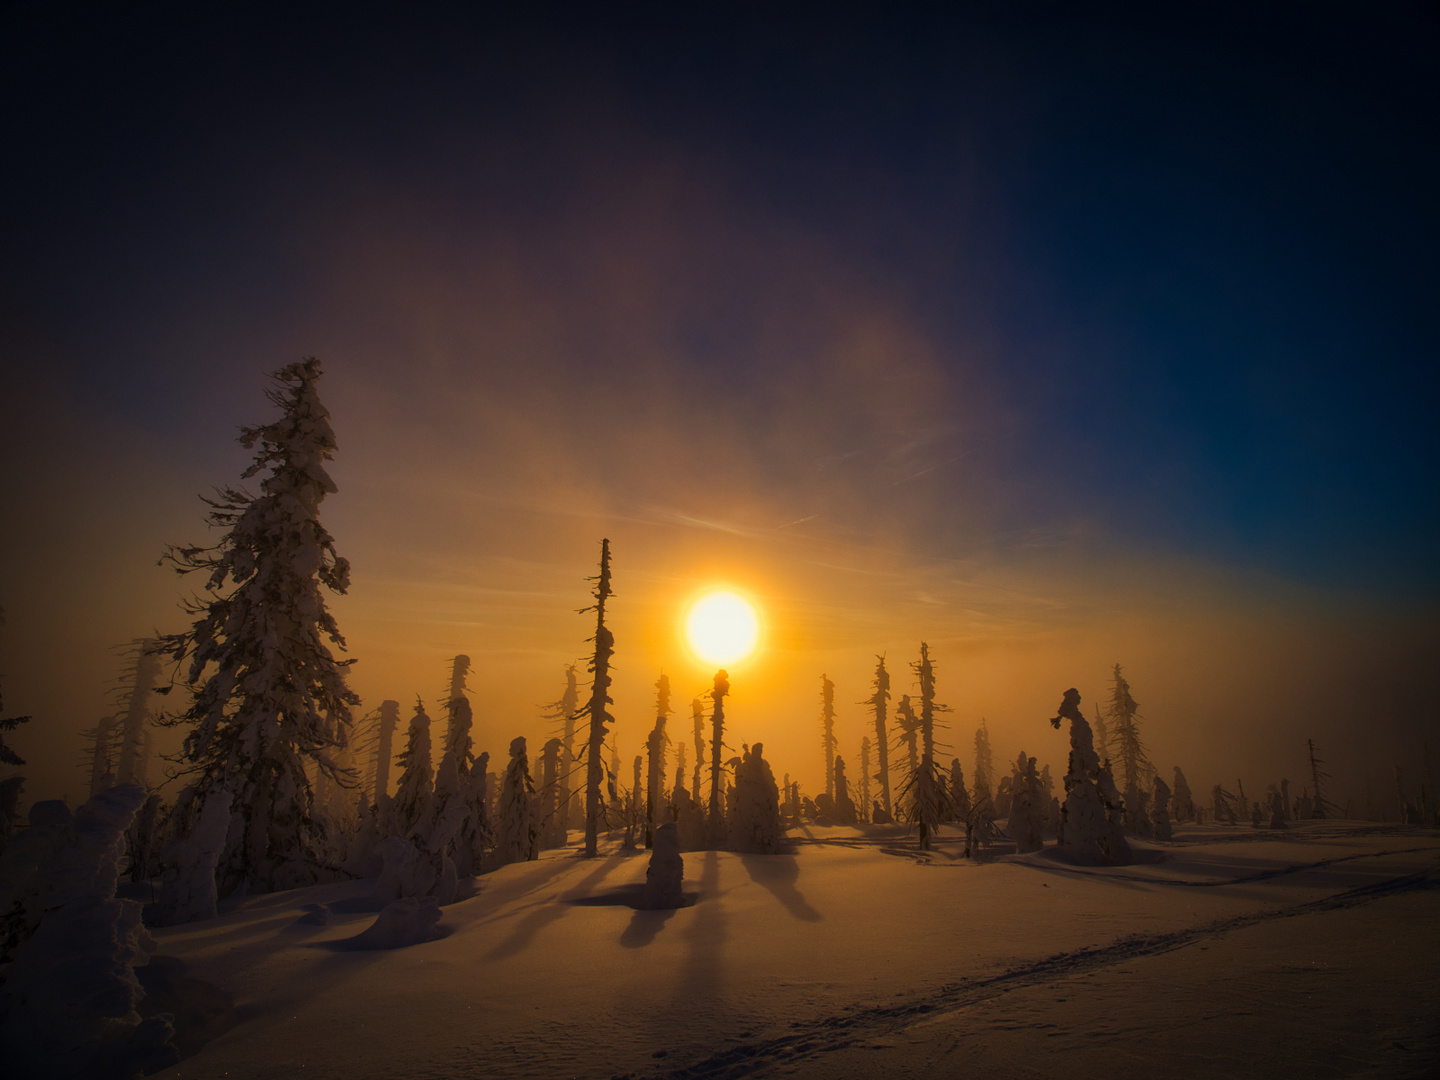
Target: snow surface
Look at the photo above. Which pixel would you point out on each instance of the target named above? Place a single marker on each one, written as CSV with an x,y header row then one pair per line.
x,y
1229,952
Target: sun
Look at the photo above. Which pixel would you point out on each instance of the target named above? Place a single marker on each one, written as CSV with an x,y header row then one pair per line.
x,y
722,627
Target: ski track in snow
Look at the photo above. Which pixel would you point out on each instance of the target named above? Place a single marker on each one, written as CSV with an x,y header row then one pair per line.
x,y
809,1039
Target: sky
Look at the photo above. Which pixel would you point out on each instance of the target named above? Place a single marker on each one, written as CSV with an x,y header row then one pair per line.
x,y
1055,338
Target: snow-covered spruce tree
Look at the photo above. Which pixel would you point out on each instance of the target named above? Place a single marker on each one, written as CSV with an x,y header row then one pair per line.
x,y
863,810
1091,817
1320,806
410,809
476,835
140,675
566,711
679,786
1027,806
984,774
1182,802
844,805
389,720
1160,811
102,753
976,818
879,700
655,749
634,804
552,832
928,799
456,704
697,717
595,710
715,819
519,831
262,676
1128,752
1222,805
827,732
909,734
755,827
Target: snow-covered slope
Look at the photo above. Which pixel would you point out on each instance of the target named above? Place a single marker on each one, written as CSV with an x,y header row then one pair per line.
x,y
857,956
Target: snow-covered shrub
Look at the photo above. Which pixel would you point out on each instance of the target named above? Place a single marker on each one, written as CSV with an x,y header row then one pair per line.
x,y
755,826
1160,811
188,891
519,832
666,872
1027,806
69,992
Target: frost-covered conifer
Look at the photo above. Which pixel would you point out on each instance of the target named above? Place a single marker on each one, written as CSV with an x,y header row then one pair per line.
x,y
755,826
596,711
864,808
959,795
715,819
103,752
411,807
909,733
1091,816
844,805
476,833
1027,807
552,832
1223,806
879,700
450,802
1277,811
679,784
139,677
1183,802
519,832
655,748
827,732
984,774
1128,753
262,675
566,711
1003,797
1160,811
634,803
929,801
697,716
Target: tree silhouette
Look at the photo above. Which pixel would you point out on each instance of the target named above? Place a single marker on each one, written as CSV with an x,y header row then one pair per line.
x,y
879,701
269,699
604,643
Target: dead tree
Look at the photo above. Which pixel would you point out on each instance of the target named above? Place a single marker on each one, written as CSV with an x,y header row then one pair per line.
x,y
715,823
604,642
655,746
566,711
879,701
827,727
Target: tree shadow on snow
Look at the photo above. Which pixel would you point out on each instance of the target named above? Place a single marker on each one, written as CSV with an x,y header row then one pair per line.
x,y
778,874
645,923
547,913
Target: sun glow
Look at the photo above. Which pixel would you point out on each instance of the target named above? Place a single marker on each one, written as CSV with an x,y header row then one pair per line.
x,y
722,628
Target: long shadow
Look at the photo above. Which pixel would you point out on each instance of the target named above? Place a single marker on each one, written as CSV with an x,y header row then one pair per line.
x,y
545,914
706,935
778,874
